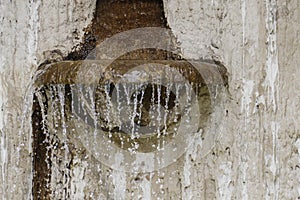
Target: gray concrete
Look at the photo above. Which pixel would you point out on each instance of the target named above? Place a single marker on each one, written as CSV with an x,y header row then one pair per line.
x,y
257,155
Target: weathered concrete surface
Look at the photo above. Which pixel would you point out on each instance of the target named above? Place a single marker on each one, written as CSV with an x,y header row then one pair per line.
x,y
257,156
29,30
258,41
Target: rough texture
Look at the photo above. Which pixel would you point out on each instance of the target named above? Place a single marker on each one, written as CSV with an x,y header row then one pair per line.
x,y
62,25
29,31
113,17
257,156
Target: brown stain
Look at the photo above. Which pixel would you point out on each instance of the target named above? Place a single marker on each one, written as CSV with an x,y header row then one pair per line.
x,y
116,16
110,17
41,174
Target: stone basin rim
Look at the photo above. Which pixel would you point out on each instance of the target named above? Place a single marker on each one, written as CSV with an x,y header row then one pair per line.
x,y
89,71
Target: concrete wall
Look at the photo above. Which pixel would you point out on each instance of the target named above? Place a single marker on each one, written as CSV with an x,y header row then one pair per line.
x,y
258,41
29,30
257,155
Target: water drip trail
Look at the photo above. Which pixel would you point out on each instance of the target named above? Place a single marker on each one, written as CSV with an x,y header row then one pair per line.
x,y
44,122
134,134
108,111
66,171
166,107
141,105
